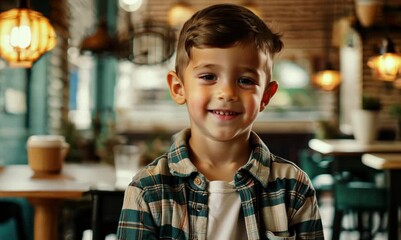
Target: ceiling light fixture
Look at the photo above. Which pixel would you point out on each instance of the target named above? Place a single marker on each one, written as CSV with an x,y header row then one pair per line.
x,y
130,5
367,11
327,79
387,65
100,41
24,35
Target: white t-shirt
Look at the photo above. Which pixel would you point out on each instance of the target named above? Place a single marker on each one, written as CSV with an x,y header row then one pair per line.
x,y
225,219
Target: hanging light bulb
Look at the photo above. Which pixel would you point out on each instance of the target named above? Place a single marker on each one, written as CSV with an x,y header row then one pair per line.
x,y
24,35
386,66
327,79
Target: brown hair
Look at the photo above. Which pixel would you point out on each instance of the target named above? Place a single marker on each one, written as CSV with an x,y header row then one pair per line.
x,y
223,25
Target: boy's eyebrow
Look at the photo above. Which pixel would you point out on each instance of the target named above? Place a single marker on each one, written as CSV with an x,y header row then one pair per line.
x,y
209,65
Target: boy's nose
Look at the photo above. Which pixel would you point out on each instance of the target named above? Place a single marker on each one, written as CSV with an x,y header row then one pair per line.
x,y
228,93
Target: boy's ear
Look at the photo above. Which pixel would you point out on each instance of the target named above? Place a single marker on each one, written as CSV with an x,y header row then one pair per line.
x,y
176,87
270,90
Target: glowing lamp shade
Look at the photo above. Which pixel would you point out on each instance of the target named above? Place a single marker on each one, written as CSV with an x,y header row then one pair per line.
x,y
385,67
179,13
24,36
327,80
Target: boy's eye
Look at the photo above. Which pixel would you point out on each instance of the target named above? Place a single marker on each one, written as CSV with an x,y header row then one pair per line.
x,y
208,77
246,81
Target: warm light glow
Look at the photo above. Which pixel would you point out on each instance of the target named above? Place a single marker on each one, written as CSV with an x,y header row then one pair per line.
x,y
20,37
397,83
179,13
24,36
327,80
385,67
130,5
253,7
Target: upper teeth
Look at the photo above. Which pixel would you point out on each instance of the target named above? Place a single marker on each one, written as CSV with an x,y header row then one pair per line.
x,y
224,113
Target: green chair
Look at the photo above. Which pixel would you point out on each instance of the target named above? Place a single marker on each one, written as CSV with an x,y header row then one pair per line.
x,y
15,219
362,200
318,169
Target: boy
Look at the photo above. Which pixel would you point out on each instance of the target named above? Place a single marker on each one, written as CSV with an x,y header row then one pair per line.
x,y
219,180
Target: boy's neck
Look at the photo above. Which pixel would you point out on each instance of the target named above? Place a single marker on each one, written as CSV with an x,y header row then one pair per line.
x,y
218,160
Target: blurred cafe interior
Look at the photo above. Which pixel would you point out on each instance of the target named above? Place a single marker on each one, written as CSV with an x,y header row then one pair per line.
x,y
94,72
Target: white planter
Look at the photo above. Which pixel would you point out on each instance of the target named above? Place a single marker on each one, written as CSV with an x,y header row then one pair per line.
x,y
365,125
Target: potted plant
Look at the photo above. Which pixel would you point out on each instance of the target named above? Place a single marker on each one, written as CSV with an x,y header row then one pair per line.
x,y
395,112
365,120
370,103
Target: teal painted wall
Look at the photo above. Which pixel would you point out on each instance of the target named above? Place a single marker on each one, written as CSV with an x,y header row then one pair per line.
x,y
13,131
16,127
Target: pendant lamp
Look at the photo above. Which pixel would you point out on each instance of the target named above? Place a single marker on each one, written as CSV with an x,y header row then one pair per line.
x,y
367,11
387,65
328,78
24,35
100,41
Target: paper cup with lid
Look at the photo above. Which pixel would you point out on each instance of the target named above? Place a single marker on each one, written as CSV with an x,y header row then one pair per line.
x,y
46,153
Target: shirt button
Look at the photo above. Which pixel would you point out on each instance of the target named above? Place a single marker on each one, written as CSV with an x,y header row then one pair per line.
x,y
198,181
198,207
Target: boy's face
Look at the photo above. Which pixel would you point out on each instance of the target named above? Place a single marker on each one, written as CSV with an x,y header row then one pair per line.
x,y
224,89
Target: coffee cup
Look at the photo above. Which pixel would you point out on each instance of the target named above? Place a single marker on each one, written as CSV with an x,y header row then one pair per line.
x,y
46,153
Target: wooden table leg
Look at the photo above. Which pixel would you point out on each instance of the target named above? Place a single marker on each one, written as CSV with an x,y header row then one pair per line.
x,y
46,218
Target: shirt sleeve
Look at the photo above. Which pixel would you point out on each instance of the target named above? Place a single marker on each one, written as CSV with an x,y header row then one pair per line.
x,y
136,221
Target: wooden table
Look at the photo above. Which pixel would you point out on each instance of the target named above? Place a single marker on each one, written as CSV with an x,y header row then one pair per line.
x,y
391,164
347,153
340,147
46,192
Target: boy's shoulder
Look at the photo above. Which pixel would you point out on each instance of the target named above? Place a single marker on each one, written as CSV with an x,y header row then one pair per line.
x,y
284,169
153,173
169,168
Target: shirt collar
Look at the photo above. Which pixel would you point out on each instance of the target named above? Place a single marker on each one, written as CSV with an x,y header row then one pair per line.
x,y
178,155
180,165
259,162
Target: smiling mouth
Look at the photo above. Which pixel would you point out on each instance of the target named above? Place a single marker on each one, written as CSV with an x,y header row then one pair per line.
x,y
224,113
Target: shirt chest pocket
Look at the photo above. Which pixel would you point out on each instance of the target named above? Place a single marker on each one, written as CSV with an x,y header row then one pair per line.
x,y
271,236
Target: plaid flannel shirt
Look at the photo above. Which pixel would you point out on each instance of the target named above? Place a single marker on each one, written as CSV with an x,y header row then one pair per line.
x,y
168,199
